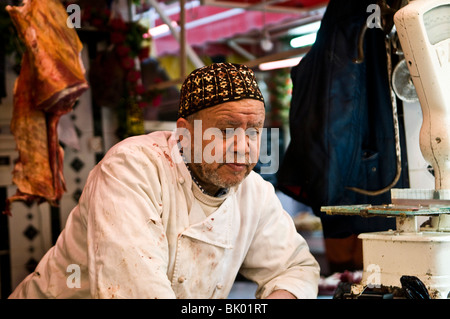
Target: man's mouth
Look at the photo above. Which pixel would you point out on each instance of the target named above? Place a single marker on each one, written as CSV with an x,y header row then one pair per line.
x,y
237,167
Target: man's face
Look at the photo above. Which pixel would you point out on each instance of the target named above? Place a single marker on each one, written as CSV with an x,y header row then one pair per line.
x,y
230,141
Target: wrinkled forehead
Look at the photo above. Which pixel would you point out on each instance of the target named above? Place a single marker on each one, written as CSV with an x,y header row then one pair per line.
x,y
246,112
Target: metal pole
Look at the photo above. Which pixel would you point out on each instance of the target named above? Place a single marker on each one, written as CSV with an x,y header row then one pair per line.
x,y
183,40
189,51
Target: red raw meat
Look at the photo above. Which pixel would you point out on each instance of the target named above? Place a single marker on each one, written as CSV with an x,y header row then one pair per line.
x,y
50,81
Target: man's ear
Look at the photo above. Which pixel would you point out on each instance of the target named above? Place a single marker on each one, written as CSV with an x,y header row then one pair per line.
x,y
184,129
183,123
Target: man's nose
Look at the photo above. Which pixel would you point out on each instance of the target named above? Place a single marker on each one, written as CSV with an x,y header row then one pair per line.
x,y
241,142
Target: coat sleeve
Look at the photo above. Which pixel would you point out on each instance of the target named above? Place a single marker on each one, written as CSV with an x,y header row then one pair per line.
x,y
127,247
279,257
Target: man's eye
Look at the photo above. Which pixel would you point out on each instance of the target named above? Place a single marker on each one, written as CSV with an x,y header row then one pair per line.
x,y
228,133
252,133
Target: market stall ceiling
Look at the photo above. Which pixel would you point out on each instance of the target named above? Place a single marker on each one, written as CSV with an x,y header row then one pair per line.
x,y
269,5
217,21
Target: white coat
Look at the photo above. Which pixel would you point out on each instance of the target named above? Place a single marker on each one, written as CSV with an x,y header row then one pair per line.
x,y
139,232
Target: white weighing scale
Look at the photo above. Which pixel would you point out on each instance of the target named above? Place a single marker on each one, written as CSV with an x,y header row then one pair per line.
x,y
423,28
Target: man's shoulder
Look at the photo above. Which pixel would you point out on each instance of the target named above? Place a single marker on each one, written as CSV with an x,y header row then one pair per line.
x,y
151,142
158,138
152,147
254,177
255,183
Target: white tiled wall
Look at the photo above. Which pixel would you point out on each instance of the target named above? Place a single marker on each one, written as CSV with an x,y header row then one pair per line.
x,y
83,120
22,249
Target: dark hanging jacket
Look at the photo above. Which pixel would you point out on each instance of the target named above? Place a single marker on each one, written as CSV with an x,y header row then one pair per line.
x,y
341,123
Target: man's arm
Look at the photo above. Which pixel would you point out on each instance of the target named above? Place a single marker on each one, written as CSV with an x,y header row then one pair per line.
x,y
127,247
281,294
278,259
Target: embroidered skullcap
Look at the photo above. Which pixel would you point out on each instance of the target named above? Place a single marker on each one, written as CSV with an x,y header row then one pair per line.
x,y
215,84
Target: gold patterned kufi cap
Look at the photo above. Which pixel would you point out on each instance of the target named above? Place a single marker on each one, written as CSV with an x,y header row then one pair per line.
x,y
216,84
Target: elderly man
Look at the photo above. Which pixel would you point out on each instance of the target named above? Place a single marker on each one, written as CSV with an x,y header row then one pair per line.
x,y
180,214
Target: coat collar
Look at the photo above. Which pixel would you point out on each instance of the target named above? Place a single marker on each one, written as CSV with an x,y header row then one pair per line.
x,y
216,228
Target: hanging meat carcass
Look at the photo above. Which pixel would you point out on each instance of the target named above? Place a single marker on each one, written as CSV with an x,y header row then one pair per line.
x,y
50,81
